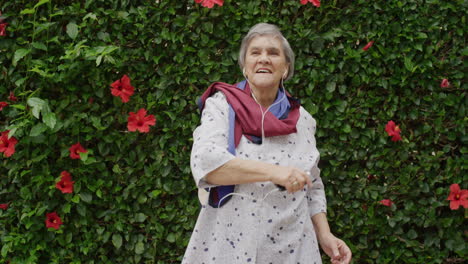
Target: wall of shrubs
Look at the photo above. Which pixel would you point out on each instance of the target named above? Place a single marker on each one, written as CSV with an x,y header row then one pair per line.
x,y
129,196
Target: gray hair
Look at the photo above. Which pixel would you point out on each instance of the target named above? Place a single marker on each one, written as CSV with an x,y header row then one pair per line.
x,y
262,29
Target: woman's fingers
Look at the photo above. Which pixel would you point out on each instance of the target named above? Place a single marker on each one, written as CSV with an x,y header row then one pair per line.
x,y
292,179
297,180
308,180
345,252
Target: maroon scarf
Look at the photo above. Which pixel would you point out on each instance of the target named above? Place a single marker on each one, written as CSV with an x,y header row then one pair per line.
x,y
248,116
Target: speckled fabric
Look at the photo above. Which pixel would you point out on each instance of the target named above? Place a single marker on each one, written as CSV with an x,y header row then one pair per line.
x,y
260,224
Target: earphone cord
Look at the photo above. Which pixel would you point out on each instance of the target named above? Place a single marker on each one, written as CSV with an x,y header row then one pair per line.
x,y
247,196
260,106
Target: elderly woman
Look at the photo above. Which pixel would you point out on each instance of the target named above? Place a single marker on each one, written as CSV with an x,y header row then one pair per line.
x,y
255,154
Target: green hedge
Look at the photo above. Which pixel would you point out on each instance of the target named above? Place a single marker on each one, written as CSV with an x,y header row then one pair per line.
x,y
134,200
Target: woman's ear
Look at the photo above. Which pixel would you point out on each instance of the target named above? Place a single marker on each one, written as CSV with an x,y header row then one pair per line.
x,y
285,74
286,71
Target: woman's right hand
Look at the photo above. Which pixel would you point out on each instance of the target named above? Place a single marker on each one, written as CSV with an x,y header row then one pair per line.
x,y
290,178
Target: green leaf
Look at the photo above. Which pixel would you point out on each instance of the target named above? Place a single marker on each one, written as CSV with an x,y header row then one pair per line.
x,y
170,238
76,199
155,193
50,120
97,123
84,156
331,86
18,106
72,30
409,64
139,248
117,240
37,130
87,197
89,160
41,3
37,104
140,217
20,81
27,11
5,249
39,45
142,198
347,128
66,208
98,60
19,54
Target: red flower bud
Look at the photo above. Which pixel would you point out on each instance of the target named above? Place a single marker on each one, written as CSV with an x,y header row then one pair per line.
x,y
210,3
12,97
445,83
3,29
368,45
3,105
386,202
314,2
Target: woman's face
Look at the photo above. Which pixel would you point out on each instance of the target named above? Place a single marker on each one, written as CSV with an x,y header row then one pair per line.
x,y
265,62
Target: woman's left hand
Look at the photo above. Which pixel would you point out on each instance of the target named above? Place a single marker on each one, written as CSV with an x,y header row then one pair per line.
x,y
335,248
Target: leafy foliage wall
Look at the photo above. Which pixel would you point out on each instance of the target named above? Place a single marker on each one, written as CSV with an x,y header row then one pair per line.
x,y
133,199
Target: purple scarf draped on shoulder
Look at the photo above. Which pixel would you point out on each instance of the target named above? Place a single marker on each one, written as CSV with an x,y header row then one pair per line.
x,y
245,118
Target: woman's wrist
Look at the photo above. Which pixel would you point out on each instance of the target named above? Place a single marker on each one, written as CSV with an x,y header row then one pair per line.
x,y
322,229
323,235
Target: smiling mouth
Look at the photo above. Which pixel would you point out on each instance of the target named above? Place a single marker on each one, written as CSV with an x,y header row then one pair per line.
x,y
263,71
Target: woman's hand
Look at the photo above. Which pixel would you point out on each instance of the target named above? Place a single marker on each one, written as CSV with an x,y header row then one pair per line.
x,y
335,248
291,178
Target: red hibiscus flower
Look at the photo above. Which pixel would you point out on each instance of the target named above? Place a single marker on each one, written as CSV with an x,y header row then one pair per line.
x,y
7,145
65,184
368,45
2,105
12,97
3,29
140,121
53,221
314,2
4,206
393,131
75,151
210,3
457,197
445,83
122,88
386,202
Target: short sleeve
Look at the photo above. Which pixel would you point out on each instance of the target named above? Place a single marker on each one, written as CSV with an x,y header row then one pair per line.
x,y
209,150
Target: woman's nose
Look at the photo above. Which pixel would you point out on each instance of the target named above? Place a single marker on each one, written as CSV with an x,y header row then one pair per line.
x,y
264,58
